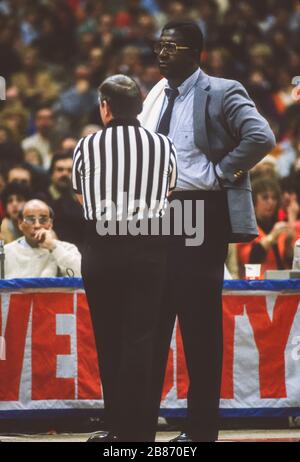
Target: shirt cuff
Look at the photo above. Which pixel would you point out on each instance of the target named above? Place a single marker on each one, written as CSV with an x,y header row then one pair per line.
x,y
219,172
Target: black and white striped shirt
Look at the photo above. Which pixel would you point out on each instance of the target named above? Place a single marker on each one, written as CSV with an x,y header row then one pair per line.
x,y
124,171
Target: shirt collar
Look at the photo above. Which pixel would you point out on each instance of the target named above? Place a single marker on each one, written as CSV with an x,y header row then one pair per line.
x,y
187,85
126,122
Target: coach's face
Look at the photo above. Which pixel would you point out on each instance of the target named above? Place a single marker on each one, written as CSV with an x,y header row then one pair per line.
x,y
175,63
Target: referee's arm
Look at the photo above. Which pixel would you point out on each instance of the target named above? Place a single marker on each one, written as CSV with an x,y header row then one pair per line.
x,y
76,172
172,169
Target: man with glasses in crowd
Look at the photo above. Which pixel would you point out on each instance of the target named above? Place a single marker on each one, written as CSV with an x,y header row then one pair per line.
x,y
219,136
38,253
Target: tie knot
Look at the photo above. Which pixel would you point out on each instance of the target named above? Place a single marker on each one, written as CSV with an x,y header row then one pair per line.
x,y
172,93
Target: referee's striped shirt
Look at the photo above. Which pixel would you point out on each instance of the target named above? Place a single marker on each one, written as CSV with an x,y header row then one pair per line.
x,y
124,171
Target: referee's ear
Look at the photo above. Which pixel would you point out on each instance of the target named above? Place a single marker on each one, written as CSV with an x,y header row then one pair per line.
x,y
105,112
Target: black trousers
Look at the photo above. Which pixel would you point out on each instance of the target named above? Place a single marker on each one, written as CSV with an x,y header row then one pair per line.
x,y
124,279
193,292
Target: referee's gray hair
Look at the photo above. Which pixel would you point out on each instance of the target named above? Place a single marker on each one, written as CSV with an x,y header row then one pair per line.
x,y
122,94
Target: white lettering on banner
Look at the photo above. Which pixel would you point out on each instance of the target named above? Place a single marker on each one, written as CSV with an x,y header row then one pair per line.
x,y
2,349
296,350
66,365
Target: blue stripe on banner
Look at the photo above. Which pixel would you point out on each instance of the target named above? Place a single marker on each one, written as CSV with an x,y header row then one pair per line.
x,y
244,412
41,283
273,285
175,413
47,413
276,285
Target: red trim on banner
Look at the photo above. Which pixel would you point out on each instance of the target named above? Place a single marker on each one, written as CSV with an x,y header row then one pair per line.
x,y
15,337
89,386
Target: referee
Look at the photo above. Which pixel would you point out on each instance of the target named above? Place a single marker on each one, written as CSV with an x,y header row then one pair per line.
x,y
122,176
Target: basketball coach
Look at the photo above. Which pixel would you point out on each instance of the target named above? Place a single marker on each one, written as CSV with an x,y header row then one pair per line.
x,y
219,136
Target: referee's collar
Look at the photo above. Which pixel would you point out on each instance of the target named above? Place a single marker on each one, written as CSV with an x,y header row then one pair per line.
x,y
124,122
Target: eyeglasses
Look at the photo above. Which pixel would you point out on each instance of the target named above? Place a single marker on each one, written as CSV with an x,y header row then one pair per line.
x,y
171,48
30,220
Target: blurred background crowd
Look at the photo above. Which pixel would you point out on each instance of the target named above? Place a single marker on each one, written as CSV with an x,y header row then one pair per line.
x,y
55,53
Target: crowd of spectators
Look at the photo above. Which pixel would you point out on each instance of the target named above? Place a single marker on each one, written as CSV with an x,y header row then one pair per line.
x,y
55,53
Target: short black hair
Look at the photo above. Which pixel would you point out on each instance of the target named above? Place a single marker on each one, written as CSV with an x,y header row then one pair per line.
x,y
190,31
15,189
57,157
123,96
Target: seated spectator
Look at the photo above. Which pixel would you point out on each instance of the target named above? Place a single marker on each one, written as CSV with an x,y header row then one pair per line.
x,y
20,174
68,144
266,167
2,186
36,86
77,103
273,246
14,197
90,130
33,156
69,223
10,152
33,176
289,151
44,138
38,253
14,115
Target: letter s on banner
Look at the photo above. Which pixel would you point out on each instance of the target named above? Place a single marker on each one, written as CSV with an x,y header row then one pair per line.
x,y
296,350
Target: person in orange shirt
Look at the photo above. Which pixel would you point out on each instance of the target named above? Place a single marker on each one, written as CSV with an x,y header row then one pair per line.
x,y
273,248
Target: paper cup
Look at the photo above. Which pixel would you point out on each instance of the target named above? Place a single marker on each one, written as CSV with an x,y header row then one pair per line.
x,y
252,271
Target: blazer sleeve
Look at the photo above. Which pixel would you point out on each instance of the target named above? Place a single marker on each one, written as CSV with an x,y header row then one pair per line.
x,y
252,132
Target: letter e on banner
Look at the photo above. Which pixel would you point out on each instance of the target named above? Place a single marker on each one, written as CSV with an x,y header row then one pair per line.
x,y
47,345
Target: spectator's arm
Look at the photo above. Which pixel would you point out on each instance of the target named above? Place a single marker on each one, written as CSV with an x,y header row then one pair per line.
x,y
67,256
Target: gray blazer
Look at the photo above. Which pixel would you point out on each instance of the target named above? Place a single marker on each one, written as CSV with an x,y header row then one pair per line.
x,y
231,133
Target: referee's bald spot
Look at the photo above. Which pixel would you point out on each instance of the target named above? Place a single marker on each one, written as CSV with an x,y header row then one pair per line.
x,y
36,205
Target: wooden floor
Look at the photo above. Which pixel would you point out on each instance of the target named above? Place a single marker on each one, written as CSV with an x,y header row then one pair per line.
x,y
225,436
